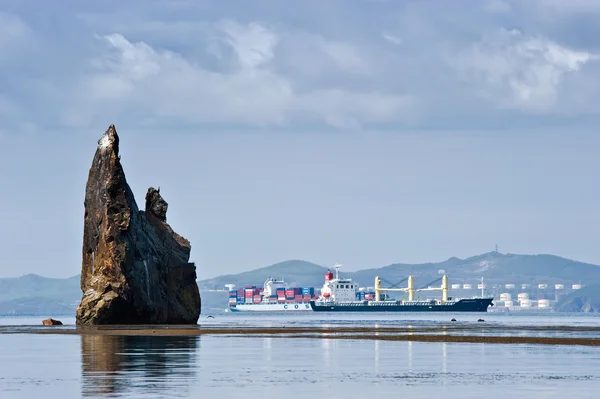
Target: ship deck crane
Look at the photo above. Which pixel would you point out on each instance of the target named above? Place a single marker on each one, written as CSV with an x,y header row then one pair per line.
x,y
411,288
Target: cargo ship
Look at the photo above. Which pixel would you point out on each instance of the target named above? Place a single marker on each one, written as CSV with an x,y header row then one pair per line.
x,y
275,296
343,295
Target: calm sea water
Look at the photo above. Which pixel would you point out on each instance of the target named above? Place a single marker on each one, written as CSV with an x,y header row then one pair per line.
x,y
73,366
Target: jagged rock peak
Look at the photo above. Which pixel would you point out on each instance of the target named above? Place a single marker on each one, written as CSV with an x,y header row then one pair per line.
x,y
109,140
155,204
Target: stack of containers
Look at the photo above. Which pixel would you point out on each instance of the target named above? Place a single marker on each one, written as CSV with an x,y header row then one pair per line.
x,y
360,296
281,295
289,295
307,293
233,294
249,294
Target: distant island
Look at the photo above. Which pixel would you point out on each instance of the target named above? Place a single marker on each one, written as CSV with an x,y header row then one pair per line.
x,y
33,294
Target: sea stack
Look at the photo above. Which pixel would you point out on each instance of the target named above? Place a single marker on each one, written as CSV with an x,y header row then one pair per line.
x,y
135,268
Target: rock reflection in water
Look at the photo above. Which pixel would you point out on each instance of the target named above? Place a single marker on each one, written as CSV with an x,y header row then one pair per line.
x,y
137,364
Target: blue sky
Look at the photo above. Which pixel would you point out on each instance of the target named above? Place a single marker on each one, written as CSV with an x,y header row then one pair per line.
x,y
361,132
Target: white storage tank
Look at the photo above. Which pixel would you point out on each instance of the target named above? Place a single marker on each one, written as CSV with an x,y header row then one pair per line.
x,y
508,304
525,286
505,296
467,286
523,296
576,286
525,303
543,303
542,286
456,286
559,286
509,286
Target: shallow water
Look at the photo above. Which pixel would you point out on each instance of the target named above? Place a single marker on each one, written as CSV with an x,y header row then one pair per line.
x,y
71,366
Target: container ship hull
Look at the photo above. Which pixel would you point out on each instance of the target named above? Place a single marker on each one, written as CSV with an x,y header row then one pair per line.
x,y
463,305
271,307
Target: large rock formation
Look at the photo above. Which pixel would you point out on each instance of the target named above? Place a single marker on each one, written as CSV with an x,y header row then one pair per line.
x,y
135,268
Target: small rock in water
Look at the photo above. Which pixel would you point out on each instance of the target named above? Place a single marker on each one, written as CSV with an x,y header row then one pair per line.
x,y
52,322
453,319
480,320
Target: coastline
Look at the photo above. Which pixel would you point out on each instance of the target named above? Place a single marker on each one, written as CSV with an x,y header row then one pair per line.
x,y
458,333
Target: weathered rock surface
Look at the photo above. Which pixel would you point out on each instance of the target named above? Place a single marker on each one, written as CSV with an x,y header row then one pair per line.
x,y
52,322
135,268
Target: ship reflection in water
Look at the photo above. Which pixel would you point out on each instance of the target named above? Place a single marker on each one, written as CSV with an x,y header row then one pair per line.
x,y
122,365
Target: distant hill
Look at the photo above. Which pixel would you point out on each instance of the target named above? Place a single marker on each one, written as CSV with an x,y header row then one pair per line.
x,y
33,294
586,300
494,267
295,272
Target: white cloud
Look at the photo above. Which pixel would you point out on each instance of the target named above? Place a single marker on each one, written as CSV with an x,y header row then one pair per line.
x,y
264,66
254,44
133,77
519,71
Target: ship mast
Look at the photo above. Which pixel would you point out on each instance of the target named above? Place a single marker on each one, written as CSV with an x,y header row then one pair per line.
x,y
337,270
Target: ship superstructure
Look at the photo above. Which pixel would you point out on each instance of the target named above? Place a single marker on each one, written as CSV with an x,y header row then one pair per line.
x,y
338,289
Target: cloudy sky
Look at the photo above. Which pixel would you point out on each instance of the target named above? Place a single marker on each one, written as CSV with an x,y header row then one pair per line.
x,y
364,132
